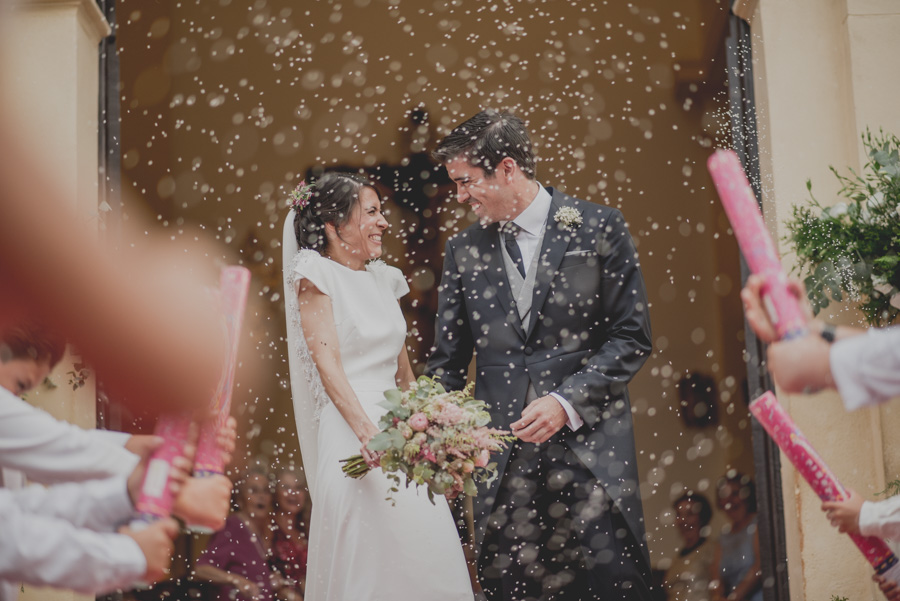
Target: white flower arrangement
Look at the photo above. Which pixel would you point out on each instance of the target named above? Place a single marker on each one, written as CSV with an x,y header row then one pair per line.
x,y
569,218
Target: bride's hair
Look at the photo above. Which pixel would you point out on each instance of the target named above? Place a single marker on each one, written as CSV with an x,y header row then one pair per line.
x,y
333,199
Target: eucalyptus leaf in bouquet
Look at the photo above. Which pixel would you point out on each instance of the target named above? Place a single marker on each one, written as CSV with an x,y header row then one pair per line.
x,y
435,438
852,248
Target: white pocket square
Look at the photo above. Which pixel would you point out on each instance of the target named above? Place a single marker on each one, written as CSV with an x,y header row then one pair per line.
x,y
574,253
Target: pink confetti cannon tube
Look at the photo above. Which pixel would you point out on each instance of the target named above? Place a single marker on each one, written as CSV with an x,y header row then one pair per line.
x,y
156,499
233,286
756,244
797,449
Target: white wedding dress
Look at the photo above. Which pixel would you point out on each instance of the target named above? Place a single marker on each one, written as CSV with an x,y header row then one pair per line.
x,y
361,546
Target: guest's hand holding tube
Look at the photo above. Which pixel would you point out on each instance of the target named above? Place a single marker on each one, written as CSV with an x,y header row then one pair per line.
x,y
889,588
204,501
181,468
755,310
844,515
155,542
801,364
227,439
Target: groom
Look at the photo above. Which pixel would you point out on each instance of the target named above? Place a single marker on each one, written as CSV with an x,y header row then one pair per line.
x,y
547,292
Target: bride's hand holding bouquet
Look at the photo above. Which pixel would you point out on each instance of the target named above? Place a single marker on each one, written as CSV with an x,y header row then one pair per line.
x,y
436,438
371,458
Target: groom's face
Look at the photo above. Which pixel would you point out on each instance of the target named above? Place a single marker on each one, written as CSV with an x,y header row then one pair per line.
x,y
489,195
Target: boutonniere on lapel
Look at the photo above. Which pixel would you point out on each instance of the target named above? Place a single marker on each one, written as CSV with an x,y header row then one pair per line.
x,y
569,218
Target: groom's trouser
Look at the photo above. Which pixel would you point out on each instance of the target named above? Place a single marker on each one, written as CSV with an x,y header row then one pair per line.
x,y
555,535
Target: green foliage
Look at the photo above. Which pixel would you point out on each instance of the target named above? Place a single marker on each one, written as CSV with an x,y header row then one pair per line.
x,y
891,489
836,598
852,249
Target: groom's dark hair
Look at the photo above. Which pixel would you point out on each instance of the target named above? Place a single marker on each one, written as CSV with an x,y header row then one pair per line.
x,y
488,138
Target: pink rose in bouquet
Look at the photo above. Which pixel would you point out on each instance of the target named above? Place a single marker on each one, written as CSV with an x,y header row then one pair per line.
x,y
418,422
452,443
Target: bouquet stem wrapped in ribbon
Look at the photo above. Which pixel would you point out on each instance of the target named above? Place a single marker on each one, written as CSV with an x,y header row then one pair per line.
x,y
435,438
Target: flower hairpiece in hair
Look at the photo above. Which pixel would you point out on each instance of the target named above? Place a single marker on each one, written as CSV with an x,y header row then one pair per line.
x,y
300,196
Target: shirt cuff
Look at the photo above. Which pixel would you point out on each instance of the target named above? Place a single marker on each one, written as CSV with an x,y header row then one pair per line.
x,y
112,436
130,563
880,518
842,358
121,507
574,420
868,519
110,504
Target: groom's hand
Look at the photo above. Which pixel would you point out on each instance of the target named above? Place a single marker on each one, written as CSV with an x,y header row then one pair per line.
x,y
541,419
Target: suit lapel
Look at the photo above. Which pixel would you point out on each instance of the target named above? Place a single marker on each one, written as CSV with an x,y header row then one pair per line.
x,y
489,246
553,249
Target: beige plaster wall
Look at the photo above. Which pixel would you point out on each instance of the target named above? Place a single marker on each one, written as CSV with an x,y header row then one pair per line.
x,y
49,75
821,79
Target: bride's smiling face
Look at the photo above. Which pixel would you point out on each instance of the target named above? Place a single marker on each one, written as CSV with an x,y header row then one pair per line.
x,y
361,235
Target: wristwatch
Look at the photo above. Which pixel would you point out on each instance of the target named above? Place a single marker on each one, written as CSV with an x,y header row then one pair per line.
x,y
828,332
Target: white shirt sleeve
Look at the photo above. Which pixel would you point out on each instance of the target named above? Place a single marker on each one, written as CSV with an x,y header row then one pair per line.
x,y
100,505
866,368
574,420
880,518
111,436
48,551
42,546
49,451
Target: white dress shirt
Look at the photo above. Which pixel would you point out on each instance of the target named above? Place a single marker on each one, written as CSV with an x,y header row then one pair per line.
x,y
866,368
881,518
532,221
64,536
49,451
39,544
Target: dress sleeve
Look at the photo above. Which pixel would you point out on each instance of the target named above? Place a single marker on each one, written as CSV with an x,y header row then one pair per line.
x,y
392,277
312,266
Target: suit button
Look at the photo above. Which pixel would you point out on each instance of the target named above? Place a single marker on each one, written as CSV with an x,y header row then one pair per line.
x,y
528,350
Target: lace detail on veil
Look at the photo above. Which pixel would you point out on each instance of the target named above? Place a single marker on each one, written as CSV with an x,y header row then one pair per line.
x,y
307,365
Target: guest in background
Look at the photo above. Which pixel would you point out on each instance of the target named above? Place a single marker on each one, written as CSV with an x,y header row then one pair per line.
x,y
689,576
736,563
289,536
236,558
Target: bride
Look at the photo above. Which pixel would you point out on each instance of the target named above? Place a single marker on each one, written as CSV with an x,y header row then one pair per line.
x,y
346,339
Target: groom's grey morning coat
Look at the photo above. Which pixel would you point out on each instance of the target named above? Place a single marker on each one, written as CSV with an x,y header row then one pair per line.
x,y
588,335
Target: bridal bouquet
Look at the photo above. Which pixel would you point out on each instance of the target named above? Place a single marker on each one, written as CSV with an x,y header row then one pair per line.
x,y
434,437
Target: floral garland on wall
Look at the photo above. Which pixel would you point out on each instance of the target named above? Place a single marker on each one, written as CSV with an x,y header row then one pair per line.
x,y
851,250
